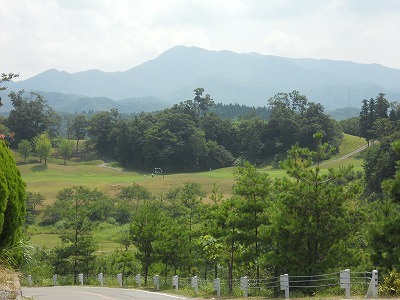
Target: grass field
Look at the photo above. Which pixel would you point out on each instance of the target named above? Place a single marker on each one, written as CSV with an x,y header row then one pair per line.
x,y
53,177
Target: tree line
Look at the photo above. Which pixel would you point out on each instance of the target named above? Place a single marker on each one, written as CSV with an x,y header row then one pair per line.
x,y
187,136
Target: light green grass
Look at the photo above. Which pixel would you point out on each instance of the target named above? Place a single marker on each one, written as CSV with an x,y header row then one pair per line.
x,y
50,179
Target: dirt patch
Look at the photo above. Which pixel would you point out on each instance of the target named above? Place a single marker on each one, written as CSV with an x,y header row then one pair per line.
x,y
10,287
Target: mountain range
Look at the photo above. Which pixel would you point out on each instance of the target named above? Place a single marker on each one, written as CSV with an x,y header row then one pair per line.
x,y
249,79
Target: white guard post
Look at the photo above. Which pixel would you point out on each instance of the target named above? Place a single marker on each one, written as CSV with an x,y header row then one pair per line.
x,y
100,278
195,284
345,282
80,278
156,279
175,281
373,286
244,286
217,286
119,279
284,282
138,280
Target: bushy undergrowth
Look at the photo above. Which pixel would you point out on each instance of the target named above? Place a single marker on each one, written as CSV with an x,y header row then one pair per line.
x,y
390,286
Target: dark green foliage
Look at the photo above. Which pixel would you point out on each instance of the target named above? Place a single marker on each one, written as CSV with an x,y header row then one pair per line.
x,y
30,118
98,207
351,126
310,219
187,137
100,130
12,201
380,163
128,201
174,140
254,189
4,78
32,201
79,128
144,231
384,235
375,119
222,131
77,251
218,156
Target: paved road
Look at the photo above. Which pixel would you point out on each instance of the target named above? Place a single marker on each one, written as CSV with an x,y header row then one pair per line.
x,y
92,293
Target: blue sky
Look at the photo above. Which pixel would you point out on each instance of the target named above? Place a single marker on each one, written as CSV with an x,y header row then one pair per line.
x,y
116,35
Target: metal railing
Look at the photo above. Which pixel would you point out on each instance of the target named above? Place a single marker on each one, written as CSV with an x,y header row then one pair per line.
x,y
286,283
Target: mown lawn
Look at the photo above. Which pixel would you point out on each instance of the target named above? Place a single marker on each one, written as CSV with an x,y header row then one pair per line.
x,y
51,178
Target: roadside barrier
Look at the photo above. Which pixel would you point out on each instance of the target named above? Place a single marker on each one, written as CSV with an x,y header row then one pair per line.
x,y
248,286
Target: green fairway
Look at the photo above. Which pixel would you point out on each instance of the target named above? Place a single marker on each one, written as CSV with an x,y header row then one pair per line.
x,y
49,179
53,177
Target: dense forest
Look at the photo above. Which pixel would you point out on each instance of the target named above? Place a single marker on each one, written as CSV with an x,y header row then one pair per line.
x,y
307,222
185,137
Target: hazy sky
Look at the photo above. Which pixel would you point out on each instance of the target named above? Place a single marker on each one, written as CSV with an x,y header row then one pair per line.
x,y
116,35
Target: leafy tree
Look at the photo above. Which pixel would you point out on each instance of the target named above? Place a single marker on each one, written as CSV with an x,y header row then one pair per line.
x,y
384,234
128,200
4,78
33,199
211,251
99,207
222,222
203,103
30,118
12,202
395,184
252,134
222,131
351,126
170,245
79,128
42,146
365,125
382,127
380,163
218,156
77,250
4,130
253,188
282,128
100,130
174,141
25,148
143,232
315,120
381,107
129,146
65,147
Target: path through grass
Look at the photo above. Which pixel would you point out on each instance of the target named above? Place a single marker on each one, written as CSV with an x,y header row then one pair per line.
x,y
50,179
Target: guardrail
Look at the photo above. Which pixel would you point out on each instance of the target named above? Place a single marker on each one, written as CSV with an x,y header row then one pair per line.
x,y
285,282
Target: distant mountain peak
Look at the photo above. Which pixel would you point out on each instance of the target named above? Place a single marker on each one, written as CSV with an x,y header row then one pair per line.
x,y
229,77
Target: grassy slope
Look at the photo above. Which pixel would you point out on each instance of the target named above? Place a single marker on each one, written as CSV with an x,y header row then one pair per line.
x,y
48,180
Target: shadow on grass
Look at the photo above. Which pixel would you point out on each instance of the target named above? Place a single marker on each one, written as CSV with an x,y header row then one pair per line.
x,y
39,168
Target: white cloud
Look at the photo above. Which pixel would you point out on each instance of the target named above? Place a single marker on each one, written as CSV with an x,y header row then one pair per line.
x,y
115,35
